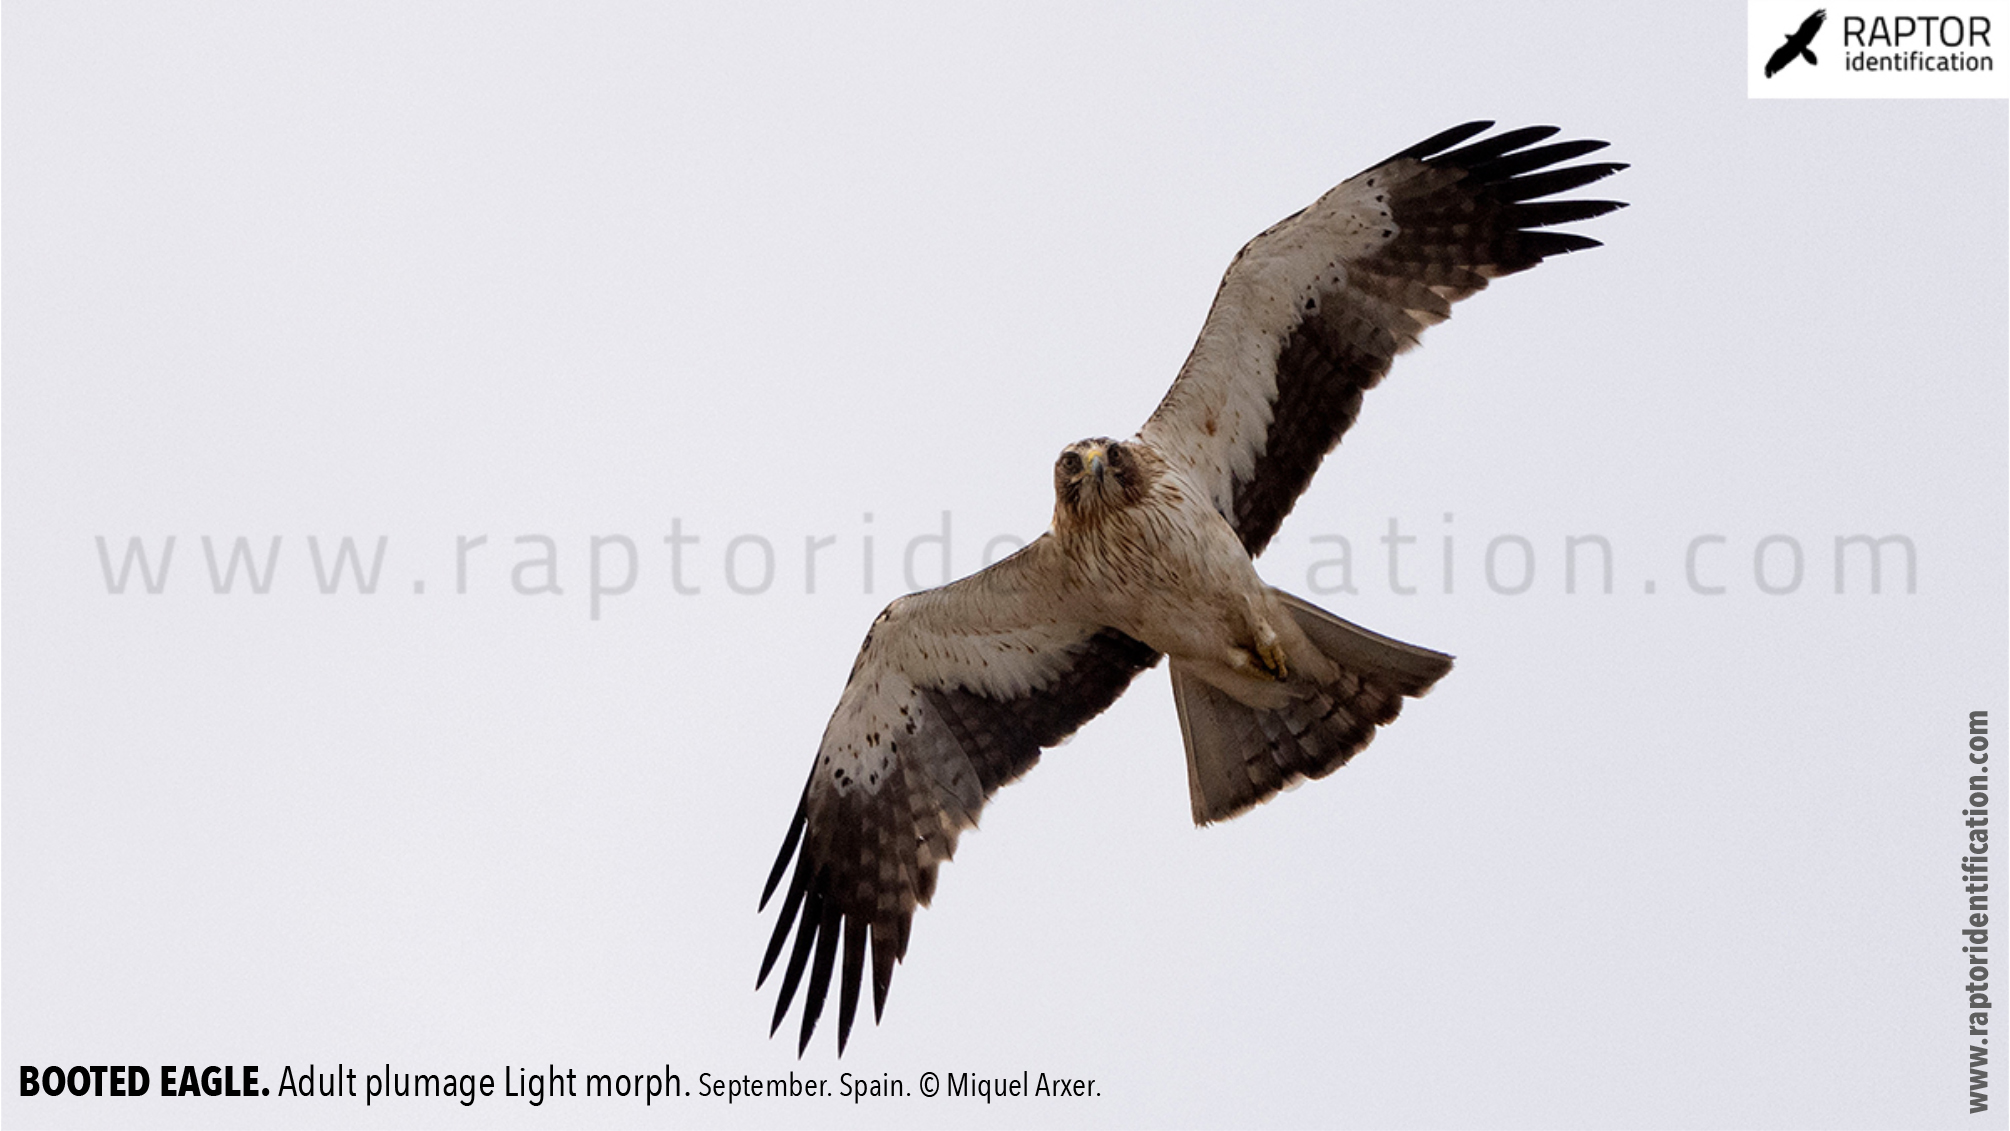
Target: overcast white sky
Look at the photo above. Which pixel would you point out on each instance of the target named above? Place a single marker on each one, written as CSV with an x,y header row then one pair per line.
x,y
1648,857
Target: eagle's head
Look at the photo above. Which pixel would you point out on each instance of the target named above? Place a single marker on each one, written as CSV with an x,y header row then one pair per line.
x,y
1095,478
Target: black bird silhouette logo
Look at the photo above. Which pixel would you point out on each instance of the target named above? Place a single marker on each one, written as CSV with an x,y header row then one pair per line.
x,y
1797,44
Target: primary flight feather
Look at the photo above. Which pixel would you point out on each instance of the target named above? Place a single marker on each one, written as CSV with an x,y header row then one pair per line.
x,y
956,690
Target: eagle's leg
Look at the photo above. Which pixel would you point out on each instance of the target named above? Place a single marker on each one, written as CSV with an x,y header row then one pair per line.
x,y
1267,648
1270,652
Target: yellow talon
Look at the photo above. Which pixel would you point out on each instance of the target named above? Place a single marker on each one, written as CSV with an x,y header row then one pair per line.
x,y
1270,653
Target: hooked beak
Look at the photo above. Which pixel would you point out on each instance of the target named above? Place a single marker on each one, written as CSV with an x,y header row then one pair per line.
x,y
1093,463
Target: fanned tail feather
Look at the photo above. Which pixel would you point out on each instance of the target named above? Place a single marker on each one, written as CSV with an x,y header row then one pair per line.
x,y
1238,755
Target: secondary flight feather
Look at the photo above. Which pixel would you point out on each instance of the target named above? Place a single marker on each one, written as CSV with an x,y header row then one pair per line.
x,y
956,690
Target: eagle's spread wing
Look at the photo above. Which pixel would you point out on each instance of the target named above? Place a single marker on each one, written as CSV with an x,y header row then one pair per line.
x,y
1312,312
954,693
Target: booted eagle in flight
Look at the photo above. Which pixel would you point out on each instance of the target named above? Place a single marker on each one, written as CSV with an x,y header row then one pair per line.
x,y
956,690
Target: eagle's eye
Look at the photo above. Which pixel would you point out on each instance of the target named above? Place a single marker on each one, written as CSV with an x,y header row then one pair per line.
x,y
1071,462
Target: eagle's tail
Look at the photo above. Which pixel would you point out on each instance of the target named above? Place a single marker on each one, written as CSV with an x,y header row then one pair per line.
x,y
1238,755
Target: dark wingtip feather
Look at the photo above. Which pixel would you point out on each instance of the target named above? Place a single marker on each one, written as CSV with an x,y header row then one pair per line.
x,y
797,887
1527,160
1545,244
1480,152
1439,142
883,958
1514,175
1543,214
806,937
854,966
795,835
820,973
1535,185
